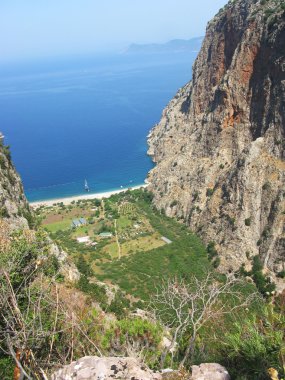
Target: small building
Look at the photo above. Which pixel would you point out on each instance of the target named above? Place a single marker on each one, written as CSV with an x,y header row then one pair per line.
x,y
106,235
75,223
167,241
78,222
83,239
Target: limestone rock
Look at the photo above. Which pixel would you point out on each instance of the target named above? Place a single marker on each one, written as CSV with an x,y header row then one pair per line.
x,y
219,148
92,367
210,371
14,207
67,267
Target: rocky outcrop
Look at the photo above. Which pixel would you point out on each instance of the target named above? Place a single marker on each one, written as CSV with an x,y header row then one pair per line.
x,y
92,367
66,266
104,368
210,371
16,214
14,208
219,148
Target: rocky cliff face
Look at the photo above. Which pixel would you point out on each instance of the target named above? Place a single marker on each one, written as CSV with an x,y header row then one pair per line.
x,y
14,208
219,148
16,214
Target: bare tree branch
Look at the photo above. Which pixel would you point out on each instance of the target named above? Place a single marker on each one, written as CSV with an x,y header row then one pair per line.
x,y
184,306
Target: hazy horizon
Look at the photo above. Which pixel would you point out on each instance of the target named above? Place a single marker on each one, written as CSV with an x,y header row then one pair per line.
x,y
33,30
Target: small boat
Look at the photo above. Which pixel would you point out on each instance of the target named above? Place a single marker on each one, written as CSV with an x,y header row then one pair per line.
x,y
86,186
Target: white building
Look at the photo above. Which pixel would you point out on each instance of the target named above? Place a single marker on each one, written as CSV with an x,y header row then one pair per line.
x,y
84,239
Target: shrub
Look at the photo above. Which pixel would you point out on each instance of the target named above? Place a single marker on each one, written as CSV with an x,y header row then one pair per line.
x,y
120,305
209,192
266,186
83,267
252,348
96,292
247,222
217,262
4,212
7,152
263,284
231,221
281,274
7,366
212,252
141,336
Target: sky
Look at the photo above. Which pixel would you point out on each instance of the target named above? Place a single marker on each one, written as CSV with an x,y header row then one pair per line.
x,y
42,28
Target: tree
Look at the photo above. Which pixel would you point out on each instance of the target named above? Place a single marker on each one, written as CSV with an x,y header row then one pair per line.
x,y
186,306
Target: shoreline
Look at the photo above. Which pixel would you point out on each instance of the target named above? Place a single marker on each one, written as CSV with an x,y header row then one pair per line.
x,y
68,200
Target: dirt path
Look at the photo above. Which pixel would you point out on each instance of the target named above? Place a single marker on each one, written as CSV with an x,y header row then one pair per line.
x,y
102,209
117,240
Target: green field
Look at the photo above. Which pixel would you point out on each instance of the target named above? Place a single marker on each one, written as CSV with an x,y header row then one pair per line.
x,y
139,273
59,226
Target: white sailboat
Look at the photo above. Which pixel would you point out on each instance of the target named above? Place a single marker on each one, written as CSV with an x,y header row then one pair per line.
x,y
86,186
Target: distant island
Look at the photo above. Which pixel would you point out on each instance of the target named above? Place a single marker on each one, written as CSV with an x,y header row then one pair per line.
x,y
175,46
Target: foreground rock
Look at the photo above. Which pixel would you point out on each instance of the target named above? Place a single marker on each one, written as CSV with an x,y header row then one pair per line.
x,y
92,367
209,372
220,145
96,368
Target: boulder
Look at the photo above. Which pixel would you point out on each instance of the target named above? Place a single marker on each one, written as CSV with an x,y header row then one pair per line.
x,y
210,371
104,368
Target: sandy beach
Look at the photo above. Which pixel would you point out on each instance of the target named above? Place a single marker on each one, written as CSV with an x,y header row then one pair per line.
x,y
68,200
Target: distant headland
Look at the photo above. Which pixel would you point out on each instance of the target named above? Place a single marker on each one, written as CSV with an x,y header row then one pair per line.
x,y
173,46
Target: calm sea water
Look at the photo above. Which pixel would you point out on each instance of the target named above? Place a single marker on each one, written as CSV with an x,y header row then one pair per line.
x,y
86,118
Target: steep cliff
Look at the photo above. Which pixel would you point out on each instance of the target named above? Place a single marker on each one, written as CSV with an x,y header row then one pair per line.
x,y
219,148
16,214
14,208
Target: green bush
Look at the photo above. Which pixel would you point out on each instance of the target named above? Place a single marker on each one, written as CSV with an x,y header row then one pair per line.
x,y
257,264
143,336
209,192
247,222
263,284
281,274
83,267
7,366
96,292
217,262
7,152
266,186
255,345
211,250
4,212
120,305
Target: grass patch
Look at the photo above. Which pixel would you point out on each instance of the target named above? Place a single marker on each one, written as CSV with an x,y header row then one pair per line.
x,y
58,226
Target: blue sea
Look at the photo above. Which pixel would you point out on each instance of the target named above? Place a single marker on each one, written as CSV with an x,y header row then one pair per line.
x,y
87,118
